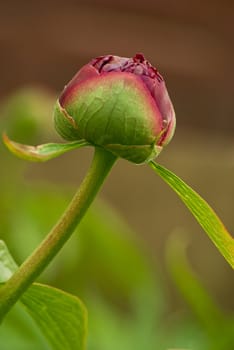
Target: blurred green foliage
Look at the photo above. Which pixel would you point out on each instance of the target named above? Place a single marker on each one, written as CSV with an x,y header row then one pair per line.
x,y
27,115
106,266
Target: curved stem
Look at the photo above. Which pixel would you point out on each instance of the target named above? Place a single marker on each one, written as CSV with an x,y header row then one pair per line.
x,y
50,246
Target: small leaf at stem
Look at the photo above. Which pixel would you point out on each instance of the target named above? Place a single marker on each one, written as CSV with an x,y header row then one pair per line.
x,y
41,153
62,317
201,210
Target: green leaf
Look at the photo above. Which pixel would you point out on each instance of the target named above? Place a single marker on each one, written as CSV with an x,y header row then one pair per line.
x,y
20,332
7,263
201,210
62,317
41,153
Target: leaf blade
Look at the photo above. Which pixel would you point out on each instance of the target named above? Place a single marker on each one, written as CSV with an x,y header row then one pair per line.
x,y
41,153
62,317
201,210
7,263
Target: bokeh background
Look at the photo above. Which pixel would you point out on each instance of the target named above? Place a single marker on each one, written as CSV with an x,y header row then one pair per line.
x,y
44,43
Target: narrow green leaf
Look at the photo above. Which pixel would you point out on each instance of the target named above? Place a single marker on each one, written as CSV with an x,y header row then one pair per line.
x,y
41,153
201,210
62,317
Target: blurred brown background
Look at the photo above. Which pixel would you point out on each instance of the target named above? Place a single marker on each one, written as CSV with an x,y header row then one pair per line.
x,y
191,43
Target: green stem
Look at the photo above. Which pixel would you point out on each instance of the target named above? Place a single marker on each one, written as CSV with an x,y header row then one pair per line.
x,y
50,246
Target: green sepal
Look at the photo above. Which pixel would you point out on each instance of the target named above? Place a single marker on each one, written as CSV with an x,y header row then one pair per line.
x,y
113,112
135,153
202,212
43,152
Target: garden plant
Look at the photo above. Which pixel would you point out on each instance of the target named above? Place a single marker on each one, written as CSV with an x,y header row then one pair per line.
x,y
120,107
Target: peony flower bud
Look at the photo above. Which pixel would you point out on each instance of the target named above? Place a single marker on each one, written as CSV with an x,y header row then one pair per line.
x,y
120,104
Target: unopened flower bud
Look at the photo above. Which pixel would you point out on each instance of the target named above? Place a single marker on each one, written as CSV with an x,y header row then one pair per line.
x,y
120,104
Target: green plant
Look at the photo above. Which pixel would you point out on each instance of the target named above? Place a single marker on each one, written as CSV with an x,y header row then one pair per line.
x,y
121,107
